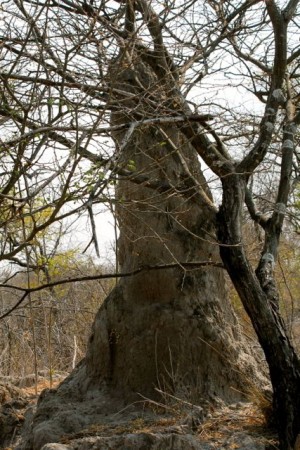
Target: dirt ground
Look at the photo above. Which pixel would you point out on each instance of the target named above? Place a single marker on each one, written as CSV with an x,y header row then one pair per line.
x,y
223,427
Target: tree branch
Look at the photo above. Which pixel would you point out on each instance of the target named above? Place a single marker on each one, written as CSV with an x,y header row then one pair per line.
x,y
255,215
188,266
290,9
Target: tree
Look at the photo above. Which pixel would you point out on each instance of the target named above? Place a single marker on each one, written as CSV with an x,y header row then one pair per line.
x,y
141,73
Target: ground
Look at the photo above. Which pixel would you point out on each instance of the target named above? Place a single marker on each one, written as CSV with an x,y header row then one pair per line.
x,y
173,424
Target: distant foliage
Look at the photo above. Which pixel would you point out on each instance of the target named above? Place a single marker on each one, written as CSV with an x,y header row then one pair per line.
x,y
59,319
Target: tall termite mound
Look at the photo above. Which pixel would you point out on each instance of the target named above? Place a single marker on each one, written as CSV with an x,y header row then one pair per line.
x,y
169,328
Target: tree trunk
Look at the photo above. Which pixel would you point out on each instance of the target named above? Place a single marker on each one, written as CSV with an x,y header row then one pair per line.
x,y
264,313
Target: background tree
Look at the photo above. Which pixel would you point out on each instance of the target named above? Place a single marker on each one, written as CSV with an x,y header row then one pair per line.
x,y
47,334
149,75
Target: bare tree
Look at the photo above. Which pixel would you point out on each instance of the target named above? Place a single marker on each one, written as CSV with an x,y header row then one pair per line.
x,y
172,84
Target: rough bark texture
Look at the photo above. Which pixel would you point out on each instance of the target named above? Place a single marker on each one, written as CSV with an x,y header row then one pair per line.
x,y
169,328
258,300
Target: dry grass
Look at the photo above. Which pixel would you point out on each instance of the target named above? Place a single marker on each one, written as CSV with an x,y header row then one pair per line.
x,y
32,391
225,425
247,418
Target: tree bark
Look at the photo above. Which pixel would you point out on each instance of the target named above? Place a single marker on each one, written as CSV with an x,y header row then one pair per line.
x,y
260,303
